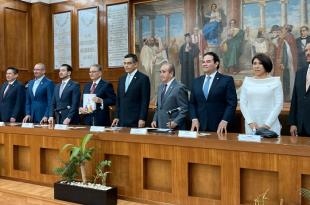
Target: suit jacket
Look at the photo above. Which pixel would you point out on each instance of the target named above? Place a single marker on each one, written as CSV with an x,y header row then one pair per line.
x,y
301,57
176,96
300,104
101,116
37,106
220,105
12,104
68,105
131,106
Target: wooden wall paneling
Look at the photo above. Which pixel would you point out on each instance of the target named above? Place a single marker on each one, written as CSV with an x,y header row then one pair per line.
x,y
159,171
20,164
2,60
4,159
17,37
126,167
206,163
230,178
42,35
290,179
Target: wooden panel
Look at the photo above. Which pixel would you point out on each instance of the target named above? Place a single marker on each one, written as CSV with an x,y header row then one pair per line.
x,y
152,179
16,38
119,175
2,159
305,183
255,182
21,158
206,176
48,160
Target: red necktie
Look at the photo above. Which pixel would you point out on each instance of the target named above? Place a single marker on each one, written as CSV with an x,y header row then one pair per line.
x,y
93,88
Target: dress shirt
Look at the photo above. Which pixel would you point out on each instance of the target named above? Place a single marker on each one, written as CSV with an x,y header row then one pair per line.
x,y
211,80
129,78
36,84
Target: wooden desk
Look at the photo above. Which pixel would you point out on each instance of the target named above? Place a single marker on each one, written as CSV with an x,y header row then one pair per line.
x,y
165,168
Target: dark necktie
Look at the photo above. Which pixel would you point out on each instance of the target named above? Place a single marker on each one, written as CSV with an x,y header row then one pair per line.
x,y
163,92
93,88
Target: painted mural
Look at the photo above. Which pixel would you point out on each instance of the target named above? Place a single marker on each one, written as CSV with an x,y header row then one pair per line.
x,y
236,30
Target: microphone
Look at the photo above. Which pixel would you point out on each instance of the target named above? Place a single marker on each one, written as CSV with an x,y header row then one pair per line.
x,y
178,109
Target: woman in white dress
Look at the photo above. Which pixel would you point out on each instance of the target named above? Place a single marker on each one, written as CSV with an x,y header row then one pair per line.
x,y
261,97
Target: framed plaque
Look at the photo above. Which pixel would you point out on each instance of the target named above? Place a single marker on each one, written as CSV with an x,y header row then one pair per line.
x,y
88,37
117,18
62,39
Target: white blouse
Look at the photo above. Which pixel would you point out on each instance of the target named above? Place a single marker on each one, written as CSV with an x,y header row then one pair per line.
x,y
261,101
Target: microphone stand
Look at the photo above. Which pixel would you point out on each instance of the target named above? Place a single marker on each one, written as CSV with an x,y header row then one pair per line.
x,y
170,121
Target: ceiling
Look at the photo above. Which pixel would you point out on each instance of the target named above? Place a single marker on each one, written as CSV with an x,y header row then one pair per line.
x,y
44,1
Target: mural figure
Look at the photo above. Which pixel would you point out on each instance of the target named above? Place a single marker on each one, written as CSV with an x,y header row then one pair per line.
x,y
212,27
231,47
187,54
301,43
198,39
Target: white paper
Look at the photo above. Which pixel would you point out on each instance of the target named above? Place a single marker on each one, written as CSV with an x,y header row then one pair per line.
x,y
60,127
62,39
187,134
97,129
2,124
27,125
88,103
249,138
117,17
138,131
88,37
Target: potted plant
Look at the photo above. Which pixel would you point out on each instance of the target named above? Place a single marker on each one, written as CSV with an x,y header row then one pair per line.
x,y
70,189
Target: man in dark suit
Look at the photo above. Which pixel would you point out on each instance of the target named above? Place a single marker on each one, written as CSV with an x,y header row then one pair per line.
x,y
299,117
12,97
213,98
66,98
133,95
172,95
301,43
105,97
39,96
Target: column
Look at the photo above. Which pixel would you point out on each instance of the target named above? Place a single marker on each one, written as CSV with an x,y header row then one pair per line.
x,y
167,26
152,25
303,12
283,12
140,37
262,5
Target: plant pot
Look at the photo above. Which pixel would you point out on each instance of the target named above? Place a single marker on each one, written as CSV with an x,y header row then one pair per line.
x,y
83,195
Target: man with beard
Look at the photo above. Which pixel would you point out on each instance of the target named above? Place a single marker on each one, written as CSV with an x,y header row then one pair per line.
x,y
66,98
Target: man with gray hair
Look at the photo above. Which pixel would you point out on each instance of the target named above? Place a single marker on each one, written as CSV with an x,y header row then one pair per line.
x,y
172,100
38,96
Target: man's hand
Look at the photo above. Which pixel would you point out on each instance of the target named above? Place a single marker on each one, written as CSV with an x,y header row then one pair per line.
x,y
26,118
115,122
293,131
154,124
97,100
83,110
66,121
173,125
44,120
141,123
222,128
51,120
195,125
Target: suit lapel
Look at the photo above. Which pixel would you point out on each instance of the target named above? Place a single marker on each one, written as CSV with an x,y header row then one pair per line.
x,y
3,89
133,81
99,86
168,92
68,85
214,83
